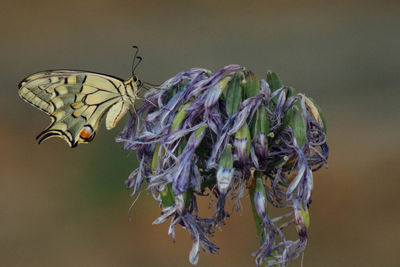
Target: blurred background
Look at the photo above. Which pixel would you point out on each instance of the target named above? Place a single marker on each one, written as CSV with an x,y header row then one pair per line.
x,y
69,207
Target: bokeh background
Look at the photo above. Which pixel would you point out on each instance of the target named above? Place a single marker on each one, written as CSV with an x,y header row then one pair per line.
x,y
69,207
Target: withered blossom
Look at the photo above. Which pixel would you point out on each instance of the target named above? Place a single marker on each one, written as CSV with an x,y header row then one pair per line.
x,y
202,133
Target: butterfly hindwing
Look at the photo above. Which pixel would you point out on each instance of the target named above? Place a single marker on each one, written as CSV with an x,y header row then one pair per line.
x,y
76,101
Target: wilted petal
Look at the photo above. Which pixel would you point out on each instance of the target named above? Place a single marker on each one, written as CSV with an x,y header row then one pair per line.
x,y
184,75
214,93
181,178
166,213
219,145
139,177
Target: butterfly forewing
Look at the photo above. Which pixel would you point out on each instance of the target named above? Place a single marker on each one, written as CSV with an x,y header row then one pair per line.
x,y
77,101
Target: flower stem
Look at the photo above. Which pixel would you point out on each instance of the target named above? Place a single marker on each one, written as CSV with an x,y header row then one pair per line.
x,y
257,219
251,185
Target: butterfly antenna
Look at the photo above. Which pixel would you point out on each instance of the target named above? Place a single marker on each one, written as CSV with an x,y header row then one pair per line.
x,y
134,59
137,64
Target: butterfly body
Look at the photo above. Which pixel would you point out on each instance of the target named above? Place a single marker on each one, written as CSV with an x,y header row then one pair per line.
x,y
77,101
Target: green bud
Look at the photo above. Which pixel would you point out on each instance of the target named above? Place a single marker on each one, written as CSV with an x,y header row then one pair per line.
x,y
298,124
242,133
225,170
234,94
252,85
273,81
260,122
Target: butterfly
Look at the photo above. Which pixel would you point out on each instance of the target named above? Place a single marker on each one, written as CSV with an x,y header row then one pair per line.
x,y
77,101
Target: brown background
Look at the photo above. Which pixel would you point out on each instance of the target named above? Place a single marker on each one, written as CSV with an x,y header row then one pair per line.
x,y
69,207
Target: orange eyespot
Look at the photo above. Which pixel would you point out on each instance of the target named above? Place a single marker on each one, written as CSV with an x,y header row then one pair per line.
x,y
87,133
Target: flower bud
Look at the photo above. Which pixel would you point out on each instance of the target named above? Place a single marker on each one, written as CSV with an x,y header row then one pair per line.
x,y
225,170
315,112
252,85
259,199
242,144
302,222
273,81
234,94
260,130
294,118
261,146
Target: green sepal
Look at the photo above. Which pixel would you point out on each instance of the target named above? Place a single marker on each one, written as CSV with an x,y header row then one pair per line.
x,y
298,124
234,93
226,160
167,196
252,85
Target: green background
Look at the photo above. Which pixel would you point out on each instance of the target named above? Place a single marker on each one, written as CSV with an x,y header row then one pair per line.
x,y
69,207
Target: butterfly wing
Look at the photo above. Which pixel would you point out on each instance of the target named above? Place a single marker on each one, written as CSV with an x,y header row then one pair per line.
x,y
76,101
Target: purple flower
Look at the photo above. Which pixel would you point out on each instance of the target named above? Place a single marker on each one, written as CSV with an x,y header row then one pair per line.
x,y
203,134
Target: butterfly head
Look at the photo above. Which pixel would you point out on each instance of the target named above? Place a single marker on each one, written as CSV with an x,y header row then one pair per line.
x,y
134,81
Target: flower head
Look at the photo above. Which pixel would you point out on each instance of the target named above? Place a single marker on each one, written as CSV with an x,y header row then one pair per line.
x,y
202,133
